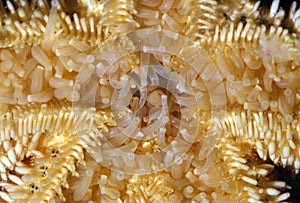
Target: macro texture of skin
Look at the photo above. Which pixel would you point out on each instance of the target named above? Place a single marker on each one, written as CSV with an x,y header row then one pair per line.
x,y
149,101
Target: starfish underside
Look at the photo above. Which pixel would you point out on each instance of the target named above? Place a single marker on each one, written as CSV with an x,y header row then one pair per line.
x,y
149,101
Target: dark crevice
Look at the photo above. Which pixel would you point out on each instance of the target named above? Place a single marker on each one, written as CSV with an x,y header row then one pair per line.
x,y
288,175
284,4
264,9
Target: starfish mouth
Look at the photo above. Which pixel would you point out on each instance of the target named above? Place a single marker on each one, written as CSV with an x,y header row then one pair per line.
x,y
150,101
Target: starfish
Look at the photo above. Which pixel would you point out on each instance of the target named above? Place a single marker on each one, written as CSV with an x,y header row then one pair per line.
x,y
148,101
